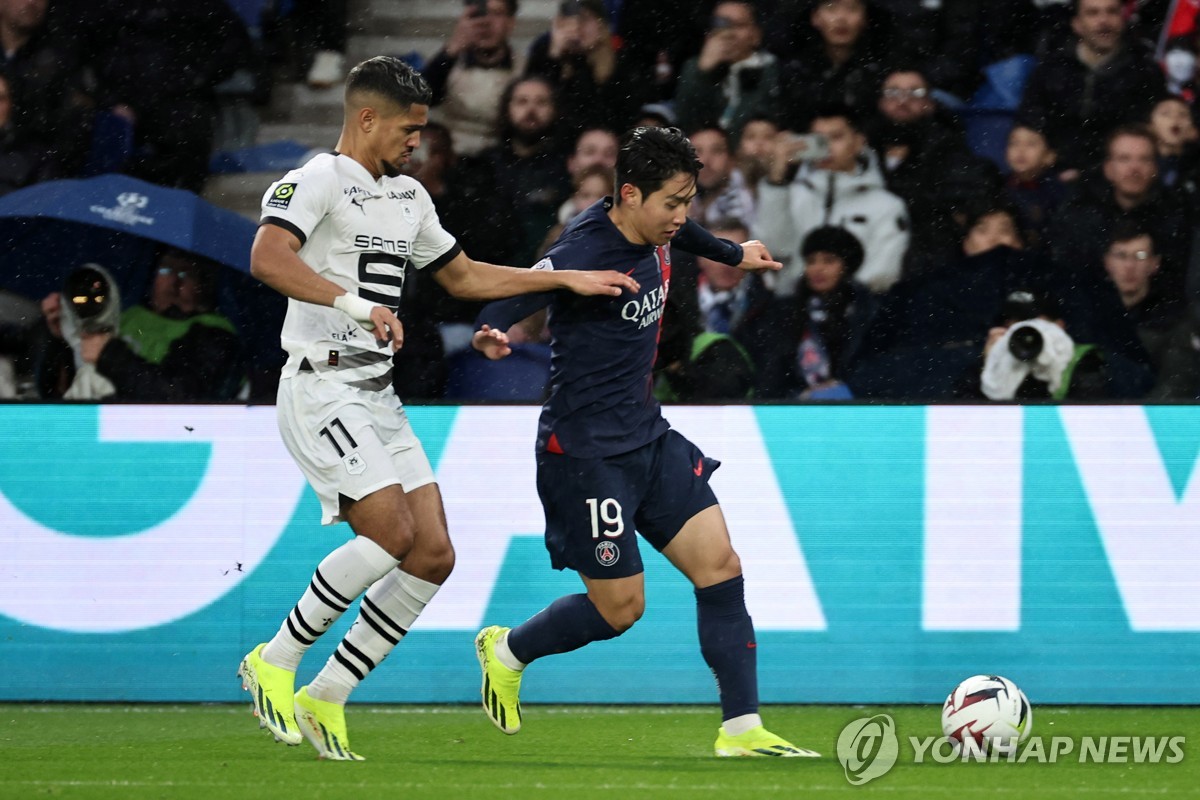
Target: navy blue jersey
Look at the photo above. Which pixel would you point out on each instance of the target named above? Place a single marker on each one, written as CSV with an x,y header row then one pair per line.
x,y
603,348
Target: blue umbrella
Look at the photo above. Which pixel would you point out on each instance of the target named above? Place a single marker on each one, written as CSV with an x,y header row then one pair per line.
x,y
117,202
48,229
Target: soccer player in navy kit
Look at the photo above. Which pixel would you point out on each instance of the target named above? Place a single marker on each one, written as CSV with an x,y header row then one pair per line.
x,y
609,464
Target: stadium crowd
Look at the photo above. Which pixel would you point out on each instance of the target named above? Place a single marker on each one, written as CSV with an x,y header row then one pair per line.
x,y
934,248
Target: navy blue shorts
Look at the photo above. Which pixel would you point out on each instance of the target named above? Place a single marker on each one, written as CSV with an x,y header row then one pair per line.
x,y
594,505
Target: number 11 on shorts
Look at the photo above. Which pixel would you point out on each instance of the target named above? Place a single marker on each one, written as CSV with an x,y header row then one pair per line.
x,y
607,511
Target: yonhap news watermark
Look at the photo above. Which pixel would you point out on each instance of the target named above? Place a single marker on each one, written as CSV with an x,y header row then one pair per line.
x,y
869,747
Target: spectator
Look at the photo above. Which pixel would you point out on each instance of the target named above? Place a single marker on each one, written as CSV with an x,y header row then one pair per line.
x,y
1033,185
731,301
177,348
1131,262
844,189
1175,140
22,162
471,71
593,80
1082,91
43,66
527,168
592,183
754,149
732,78
927,164
694,365
817,334
840,67
591,168
721,190
158,70
995,226
593,147
1126,187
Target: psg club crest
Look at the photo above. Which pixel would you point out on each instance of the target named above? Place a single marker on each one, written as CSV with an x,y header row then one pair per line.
x,y
607,553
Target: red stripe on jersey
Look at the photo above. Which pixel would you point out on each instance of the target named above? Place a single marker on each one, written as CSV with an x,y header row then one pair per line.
x,y
553,446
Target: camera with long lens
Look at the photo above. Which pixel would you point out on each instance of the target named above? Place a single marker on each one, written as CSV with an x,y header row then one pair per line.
x,y
1026,343
89,295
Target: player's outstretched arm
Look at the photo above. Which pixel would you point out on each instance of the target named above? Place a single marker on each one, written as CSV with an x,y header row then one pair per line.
x,y
756,258
468,279
274,261
751,256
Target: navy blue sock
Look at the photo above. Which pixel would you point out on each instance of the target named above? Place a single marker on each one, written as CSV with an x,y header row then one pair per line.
x,y
567,624
728,646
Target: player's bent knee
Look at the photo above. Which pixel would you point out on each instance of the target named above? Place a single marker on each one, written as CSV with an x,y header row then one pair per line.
x,y
730,564
431,563
623,613
397,542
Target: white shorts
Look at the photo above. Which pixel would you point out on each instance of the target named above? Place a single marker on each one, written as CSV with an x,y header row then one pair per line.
x,y
348,441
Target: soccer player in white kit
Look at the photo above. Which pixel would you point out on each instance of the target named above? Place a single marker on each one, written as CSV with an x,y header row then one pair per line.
x,y
337,237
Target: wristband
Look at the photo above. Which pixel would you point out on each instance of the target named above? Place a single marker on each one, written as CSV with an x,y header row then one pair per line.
x,y
358,308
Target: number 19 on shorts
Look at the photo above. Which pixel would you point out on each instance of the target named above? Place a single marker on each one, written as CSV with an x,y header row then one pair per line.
x,y
606,512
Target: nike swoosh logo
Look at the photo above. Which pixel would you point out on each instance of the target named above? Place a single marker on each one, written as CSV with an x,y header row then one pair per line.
x,y
699,467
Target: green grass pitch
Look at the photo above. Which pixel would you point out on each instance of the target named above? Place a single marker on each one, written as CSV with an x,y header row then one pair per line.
x,y
216,752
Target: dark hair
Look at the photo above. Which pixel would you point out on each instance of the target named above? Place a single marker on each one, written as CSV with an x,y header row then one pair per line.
x,y
986,207
511,88
839,110
510,4
1126,229
761,116
751,5
904,65
724,134
391,78
835,241
1136,130
728,224
649,157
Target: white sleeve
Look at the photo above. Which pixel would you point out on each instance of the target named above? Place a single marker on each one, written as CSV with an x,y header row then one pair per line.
x,y
433,246
299,200
887,242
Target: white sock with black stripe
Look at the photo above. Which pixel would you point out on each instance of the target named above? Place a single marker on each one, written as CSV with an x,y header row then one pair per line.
x,y
340,578
388,610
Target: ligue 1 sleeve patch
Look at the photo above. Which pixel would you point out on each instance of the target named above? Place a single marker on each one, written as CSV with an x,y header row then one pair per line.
x,y
545,263
354,464
282,196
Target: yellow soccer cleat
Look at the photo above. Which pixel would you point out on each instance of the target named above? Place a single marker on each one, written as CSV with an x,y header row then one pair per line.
x,y
324,725
501,687
270,689
758,742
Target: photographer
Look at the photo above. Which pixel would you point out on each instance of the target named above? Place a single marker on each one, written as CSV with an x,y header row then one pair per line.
x,y
733,78
471,71
174,348
1029,355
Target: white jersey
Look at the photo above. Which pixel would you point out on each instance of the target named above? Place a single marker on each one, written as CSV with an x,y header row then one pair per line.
x,y
361,234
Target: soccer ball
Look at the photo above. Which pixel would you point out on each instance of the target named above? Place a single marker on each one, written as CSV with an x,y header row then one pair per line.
x,y
988,709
